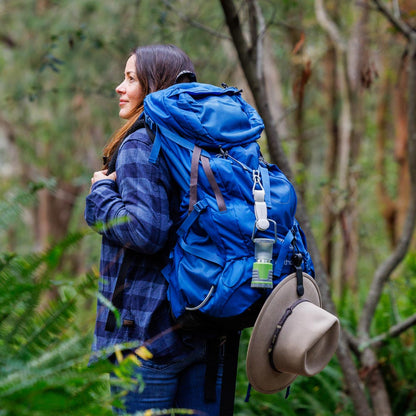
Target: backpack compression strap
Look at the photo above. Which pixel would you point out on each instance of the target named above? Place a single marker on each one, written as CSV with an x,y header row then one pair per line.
x,y
193,197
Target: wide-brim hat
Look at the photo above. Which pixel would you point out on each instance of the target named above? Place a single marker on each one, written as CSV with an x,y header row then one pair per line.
x,y
293,335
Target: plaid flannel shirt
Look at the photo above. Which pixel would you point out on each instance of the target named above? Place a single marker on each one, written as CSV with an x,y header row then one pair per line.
x,y
141,193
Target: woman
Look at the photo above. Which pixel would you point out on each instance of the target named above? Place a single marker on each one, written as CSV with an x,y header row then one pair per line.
x,y
134,251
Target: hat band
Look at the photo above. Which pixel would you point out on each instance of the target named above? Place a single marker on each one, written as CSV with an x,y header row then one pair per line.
x,y
279,326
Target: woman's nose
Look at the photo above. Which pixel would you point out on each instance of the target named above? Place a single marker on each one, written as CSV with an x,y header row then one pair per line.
x,y
120,88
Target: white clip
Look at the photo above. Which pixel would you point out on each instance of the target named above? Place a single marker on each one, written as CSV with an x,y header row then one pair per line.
x,y
260,207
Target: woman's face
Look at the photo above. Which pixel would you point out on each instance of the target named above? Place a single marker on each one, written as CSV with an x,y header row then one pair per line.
x,y
130,90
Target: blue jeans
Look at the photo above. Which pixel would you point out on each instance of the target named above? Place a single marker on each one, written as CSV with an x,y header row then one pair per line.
x,y
178,384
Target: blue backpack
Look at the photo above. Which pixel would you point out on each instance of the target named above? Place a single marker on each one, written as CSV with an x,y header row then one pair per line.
x,y
237,235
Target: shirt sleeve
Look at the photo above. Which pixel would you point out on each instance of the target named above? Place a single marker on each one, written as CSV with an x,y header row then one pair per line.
x,y
139,199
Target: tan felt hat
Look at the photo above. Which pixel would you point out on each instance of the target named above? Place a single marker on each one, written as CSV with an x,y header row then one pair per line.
x,y
292,336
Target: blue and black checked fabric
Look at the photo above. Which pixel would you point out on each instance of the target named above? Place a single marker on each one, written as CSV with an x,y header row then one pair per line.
x,y
141,194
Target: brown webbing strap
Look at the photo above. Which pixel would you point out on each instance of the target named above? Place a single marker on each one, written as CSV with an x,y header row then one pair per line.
x,y
279,326
213,183
193,195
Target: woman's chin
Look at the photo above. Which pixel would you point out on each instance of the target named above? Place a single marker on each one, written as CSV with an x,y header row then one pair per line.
x,y
123,114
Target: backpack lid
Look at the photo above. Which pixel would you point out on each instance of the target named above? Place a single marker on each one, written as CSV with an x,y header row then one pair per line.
x,y
205,114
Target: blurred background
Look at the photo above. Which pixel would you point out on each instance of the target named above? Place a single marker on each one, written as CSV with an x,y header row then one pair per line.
x,y
337,91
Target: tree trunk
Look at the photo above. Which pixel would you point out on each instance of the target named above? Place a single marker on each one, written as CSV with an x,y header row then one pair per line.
x,y
331,162
401,121
394,211
375,383
346,248
302,69
54,213
386,203
359,77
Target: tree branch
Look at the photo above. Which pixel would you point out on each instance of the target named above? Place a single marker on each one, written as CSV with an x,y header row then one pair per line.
x,y
352,342
195,23
329,25
257,31
8,128
7,40
345,117
394,331
396,9
234,26
398,23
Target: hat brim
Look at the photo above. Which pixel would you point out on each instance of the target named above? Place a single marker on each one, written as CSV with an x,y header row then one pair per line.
x,y
259,371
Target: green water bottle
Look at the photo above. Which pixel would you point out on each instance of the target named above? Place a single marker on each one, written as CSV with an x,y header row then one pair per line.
x,y
262,275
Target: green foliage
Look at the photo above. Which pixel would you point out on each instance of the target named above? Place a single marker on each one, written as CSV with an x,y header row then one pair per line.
x,y
43,355
157,412
16,200
43,361
397,356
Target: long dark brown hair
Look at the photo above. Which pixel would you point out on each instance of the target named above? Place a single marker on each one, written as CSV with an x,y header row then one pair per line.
x,y
157,67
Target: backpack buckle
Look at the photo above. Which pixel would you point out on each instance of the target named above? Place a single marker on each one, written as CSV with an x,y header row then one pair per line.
x,y
260,207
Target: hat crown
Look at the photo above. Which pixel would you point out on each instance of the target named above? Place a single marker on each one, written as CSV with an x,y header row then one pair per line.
x,y
306,340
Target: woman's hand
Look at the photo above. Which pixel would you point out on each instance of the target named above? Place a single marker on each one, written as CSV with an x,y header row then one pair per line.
x,y
102,174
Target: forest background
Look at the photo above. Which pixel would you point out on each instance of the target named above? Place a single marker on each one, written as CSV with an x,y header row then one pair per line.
x,y
335,82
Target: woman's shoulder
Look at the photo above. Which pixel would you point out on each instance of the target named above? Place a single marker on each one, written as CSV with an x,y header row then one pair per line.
x,y
140,135
136,149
